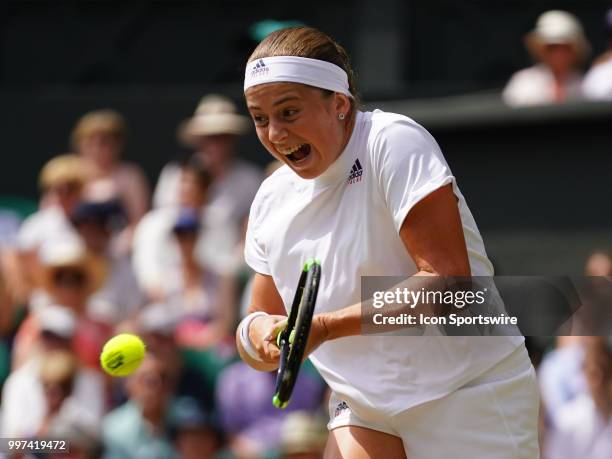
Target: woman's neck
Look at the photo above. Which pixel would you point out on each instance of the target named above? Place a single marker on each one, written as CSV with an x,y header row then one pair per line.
x,y
348,131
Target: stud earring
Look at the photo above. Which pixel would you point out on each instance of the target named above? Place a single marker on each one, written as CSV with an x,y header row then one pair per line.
x,y
341,116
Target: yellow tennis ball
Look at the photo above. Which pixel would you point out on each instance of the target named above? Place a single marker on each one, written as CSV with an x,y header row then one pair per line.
x,y
122,354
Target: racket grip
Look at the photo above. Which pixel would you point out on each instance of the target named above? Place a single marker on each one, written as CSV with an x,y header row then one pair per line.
x,y
291,338
278,404
278,339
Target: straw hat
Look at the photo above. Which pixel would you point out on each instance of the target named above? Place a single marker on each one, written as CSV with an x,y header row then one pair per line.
x,y
70,252
64,169
215,115
557,27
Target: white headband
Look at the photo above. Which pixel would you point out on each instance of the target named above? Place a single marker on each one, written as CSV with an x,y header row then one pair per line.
x,y
294,69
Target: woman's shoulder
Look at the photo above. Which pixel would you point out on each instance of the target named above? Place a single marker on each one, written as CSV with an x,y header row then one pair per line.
x,y
384,124
274,187
390,133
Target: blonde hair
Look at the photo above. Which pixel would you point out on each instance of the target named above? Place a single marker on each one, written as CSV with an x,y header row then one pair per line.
x,y
99,121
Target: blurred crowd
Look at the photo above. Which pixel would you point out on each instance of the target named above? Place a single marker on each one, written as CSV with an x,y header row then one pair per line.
x,y
561,50
103,253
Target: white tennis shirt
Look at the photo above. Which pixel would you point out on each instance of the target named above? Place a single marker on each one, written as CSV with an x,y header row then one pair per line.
x,y
349,218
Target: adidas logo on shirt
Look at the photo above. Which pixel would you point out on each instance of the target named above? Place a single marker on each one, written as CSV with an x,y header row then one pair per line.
x,y
356,172
259,69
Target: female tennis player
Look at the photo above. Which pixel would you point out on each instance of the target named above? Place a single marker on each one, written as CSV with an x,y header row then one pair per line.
x,y
369,193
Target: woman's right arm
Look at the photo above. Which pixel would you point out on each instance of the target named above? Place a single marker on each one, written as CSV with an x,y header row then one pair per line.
x,y
265,298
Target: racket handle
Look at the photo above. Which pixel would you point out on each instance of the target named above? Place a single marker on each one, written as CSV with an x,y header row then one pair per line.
x,y
278,404
278,339
291,338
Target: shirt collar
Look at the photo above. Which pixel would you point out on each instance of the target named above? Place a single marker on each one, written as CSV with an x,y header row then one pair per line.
x,y
340,168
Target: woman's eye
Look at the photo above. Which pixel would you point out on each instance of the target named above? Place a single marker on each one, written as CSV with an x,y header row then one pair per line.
x,y
289,112
259,120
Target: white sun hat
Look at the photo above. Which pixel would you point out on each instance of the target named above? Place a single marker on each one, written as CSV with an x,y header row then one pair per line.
x,y
216,114
558,27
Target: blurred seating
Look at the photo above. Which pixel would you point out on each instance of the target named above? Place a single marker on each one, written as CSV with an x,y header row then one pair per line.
x,y
26,404
140,428
244,400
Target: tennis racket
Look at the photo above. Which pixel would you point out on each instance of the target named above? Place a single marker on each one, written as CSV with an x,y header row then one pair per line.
x,y
292,340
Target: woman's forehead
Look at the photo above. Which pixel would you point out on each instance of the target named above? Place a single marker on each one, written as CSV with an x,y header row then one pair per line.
x,y
270,94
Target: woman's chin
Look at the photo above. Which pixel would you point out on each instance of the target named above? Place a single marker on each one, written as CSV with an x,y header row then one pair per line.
x,y
307,168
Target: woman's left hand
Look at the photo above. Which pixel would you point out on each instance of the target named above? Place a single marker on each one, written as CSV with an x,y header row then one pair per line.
x,y
317,336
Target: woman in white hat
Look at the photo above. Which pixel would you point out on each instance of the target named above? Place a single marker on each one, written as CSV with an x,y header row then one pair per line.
x,y
370,194
559,46
213,132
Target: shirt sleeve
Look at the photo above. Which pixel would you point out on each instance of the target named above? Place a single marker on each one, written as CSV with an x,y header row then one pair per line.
x,y
408,165
254,248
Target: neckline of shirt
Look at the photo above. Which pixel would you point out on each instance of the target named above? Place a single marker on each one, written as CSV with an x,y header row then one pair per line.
x,y
340,168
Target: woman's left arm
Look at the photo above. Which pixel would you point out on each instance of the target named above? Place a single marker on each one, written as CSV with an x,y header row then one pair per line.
x,y
433,236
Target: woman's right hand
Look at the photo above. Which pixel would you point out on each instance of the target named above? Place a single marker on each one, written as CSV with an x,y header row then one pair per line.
x,y
263,329
262,333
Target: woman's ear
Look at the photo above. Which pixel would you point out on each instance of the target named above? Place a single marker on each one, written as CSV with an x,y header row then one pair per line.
x,y
342,104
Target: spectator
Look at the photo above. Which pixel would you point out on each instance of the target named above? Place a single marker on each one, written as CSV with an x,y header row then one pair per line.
x,y
27,408
303,436
598,264
99,137
69,275
201,297
157,325
244,400
195,431
560,375
84,443
559,46
120,296
213,132
597,83
154,246
61,180
584,426
139,428
172,250
58,375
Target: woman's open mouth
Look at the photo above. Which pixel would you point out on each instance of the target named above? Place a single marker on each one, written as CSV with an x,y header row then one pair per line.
x,y
299,154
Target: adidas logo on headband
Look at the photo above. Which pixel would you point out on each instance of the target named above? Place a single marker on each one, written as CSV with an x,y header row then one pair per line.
x,y
296,69
259,69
